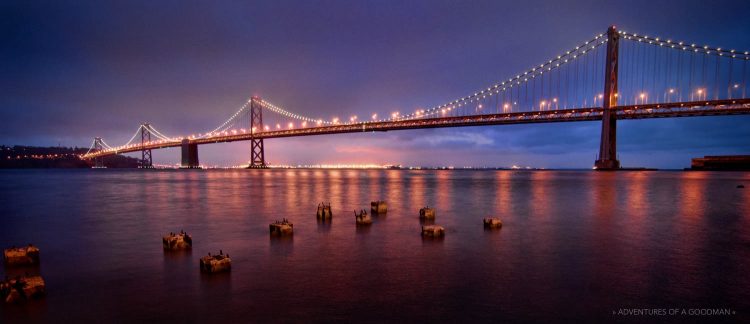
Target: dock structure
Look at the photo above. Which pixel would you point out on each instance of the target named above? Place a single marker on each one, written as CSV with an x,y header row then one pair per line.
x,y
22,288
433,231
324,211
721,162
21,256
175,241
427,213
378,207
362,219
490,222
216,263
281,228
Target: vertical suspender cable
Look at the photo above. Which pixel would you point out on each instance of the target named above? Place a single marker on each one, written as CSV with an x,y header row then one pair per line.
x,y
729,84
744,74
690,83
653,79
533,90
679,75
716,80
703,70
667,55
643,70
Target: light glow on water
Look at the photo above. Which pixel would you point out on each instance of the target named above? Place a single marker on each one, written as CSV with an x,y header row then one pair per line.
x,y
576,244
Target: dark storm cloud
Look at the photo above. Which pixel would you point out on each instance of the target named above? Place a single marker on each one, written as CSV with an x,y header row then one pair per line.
x,y
71,71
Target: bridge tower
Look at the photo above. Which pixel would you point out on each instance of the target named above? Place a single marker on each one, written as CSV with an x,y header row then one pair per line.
x,y
257,156
98,147
146,161
607,159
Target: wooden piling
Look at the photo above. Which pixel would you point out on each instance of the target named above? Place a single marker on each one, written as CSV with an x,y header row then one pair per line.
x,y
28,255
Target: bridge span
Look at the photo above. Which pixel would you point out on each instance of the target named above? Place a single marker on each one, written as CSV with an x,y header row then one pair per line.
x,y
647,77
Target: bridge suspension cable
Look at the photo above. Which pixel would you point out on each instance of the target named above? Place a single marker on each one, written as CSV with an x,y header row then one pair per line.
x,y
93,144
107,146
659,70
158,134
226,124
513,83
287,113
649,71
137,131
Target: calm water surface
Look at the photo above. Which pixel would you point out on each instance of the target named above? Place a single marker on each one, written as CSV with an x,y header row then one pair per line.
x,y
575,245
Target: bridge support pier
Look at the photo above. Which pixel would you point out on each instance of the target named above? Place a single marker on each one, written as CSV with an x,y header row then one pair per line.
x,y
257,155
189,155
607,159
98,163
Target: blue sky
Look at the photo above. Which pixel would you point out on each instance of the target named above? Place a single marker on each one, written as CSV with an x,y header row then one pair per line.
x,y
72,71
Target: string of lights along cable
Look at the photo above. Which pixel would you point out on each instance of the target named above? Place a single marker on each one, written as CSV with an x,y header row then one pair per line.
x,y
650,71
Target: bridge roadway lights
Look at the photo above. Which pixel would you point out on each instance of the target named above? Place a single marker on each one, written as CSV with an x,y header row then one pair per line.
x,y
189,155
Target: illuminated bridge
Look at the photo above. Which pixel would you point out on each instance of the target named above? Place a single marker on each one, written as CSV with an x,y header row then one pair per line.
x,y
615,75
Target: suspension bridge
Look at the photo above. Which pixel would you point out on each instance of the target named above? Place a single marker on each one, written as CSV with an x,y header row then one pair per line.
x,y
615,75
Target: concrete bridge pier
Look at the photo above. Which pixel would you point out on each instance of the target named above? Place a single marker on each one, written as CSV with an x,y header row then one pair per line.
x,y
99,163
189,155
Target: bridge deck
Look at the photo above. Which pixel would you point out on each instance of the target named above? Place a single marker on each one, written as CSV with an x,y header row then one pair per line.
x,y
661,110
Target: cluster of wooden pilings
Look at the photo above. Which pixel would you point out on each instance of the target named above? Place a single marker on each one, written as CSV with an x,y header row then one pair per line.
x,y
208,264
26,287
380,207
22,287
175,241
216,263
